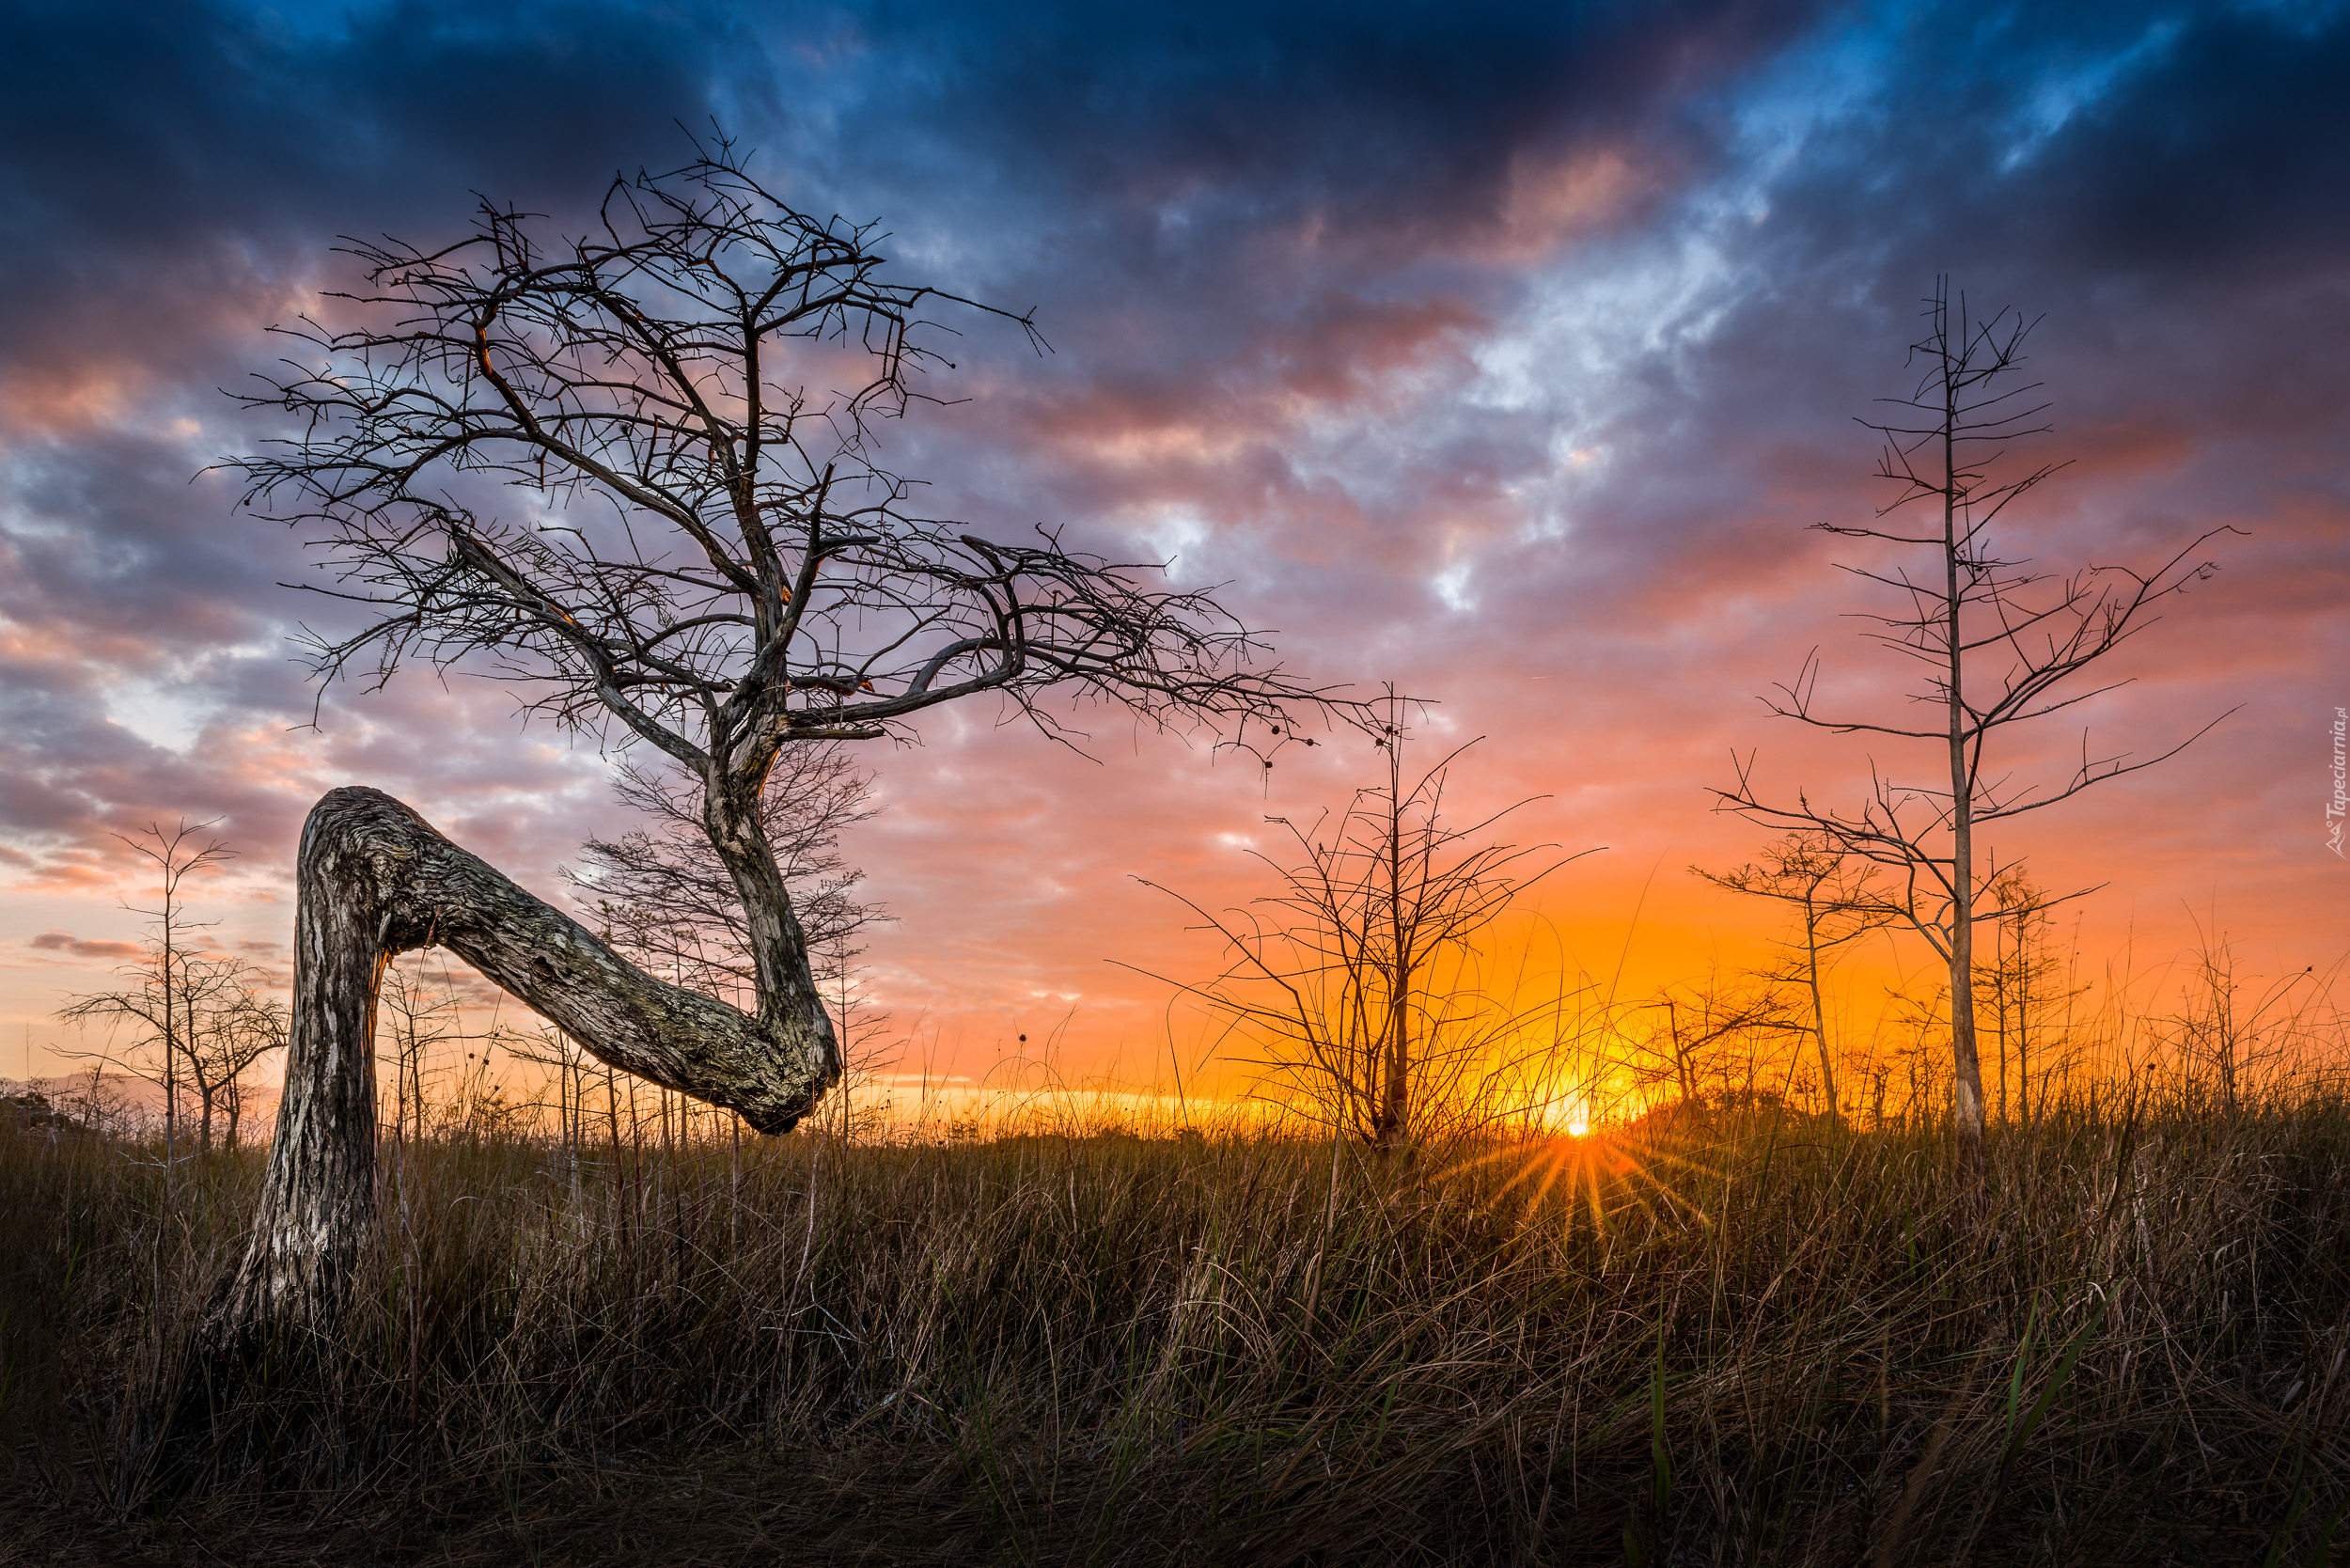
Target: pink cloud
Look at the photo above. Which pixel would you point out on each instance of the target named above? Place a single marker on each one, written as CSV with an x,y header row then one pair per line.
x,y
75,946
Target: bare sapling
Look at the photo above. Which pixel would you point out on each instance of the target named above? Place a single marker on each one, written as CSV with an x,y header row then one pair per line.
x,y
2027,987
1356,978
661,896
2232,1040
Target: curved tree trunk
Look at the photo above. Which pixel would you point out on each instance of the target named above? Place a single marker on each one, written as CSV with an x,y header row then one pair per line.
x,y
374,880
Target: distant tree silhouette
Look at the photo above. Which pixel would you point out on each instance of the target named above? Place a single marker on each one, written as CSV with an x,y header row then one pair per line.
x,y
663,896
2024,982
1835,901
1700,1039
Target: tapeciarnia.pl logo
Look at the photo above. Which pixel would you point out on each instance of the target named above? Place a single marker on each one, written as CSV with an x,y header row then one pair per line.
x,y
2339,806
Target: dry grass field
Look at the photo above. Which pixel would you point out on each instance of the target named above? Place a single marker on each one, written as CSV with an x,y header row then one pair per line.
x,y
1762,1339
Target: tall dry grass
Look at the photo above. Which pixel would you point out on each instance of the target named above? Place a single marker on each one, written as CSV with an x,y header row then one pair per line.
x,y
1768,1340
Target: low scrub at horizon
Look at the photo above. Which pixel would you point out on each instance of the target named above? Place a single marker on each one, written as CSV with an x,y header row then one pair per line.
x,y
1748,1336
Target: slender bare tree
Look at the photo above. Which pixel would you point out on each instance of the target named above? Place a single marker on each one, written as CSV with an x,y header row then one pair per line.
x,y
196,1025
2000,645
418,1015
195,1020
2027,985
2228,1036
229,1042
660,895
605,468
166,986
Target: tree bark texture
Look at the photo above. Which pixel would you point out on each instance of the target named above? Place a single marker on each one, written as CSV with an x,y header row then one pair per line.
x,y
375,880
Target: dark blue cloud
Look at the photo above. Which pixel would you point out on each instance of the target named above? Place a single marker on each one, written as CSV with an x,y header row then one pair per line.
x,y
1397,116
2179,147
132,126
174,169
2229,154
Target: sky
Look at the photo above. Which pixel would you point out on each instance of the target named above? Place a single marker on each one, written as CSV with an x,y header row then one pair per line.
x,y
1504,352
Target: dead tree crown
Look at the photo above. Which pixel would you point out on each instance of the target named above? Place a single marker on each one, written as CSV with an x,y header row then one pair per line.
x,y
601,468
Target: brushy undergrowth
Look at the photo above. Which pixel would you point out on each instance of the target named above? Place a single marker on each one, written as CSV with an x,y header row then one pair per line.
x,y
1776,1343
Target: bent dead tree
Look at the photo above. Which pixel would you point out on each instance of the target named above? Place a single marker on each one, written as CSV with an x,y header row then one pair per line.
x,y
598,468
375,880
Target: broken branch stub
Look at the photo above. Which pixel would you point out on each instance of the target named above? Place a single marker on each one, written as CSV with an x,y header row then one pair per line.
x,y
375,880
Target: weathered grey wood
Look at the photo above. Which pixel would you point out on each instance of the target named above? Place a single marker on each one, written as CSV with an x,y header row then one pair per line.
x,y
374,880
